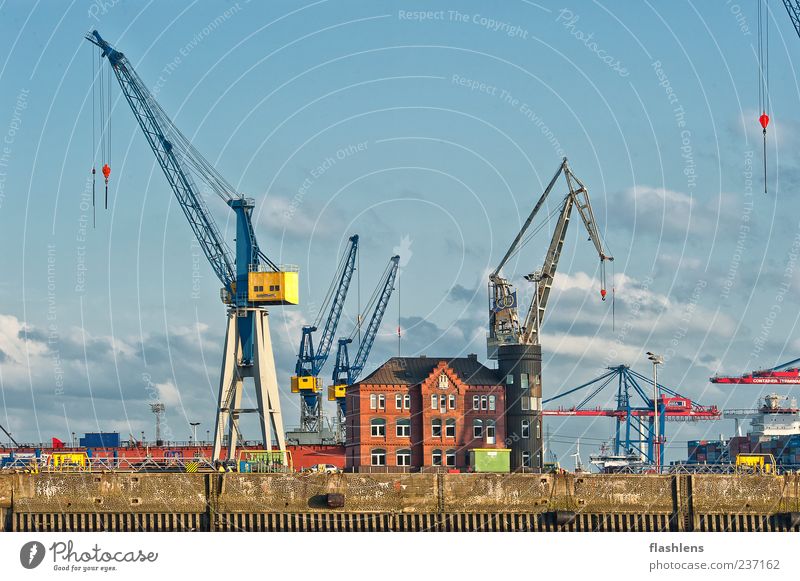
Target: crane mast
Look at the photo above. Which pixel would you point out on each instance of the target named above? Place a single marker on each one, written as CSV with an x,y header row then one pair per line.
x,y
306,380
504,324
345,373
250,280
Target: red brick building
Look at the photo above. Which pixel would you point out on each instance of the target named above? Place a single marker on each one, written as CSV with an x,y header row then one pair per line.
x,y
416,412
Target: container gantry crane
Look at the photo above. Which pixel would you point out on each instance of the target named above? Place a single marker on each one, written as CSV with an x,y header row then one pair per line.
x,y
346,373
788,372
504,324
250,280
638,437
793,10
306,380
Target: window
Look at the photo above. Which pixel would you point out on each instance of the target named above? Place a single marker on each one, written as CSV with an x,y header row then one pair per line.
x,y
492,403
407,401
526,429
404,457
451,401
450,457
381,401
378,457
526,403
434,401
526,459
490,432
436,428
484,402
403,429
523,381
477,428
398,401
378,428
509,379
373,401
536,404
450,428
538,429
443,381
436,458
476,402
443,403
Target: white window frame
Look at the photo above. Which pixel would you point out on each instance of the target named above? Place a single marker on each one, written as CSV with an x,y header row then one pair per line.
x,y
434,401
448,456
398,401
381,401
526,429
510,379
484,403
448,424
526,403
476,402
524,381
434,454
436,423
451,401
405,454
407,401
491,432
526,459
477,428
377,452
403,423
492,403
379,423
373,401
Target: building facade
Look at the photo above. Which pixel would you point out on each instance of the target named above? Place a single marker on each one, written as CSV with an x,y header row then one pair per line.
x,y
420,412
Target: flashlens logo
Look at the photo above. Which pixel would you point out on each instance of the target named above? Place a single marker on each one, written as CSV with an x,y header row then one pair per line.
x,y
31,554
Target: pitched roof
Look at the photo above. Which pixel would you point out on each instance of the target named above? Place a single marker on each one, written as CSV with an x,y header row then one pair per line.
x,y
414,370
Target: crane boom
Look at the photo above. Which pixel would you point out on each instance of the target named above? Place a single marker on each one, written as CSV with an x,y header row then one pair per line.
x,y
504,325
150,118
793,10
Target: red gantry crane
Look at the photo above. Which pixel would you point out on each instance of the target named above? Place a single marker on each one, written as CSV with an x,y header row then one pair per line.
x,y
788,372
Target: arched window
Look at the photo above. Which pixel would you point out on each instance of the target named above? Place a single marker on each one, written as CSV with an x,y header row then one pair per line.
x,y
484,404
404,457
450,458
436,458
403,429
526,459
477,428
398,401
436,428
381,401
476,402
377,428
434,401
492,403
373,401
490,432
526,429
450,428
451,401
378,457
407,401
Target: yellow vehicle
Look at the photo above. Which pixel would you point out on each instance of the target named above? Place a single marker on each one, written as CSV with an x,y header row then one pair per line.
x,y
69,461
755,464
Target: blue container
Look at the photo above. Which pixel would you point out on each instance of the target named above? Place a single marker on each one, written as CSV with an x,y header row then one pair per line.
x,y
100,440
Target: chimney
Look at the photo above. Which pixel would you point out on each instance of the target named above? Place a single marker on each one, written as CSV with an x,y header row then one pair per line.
x,y
473,356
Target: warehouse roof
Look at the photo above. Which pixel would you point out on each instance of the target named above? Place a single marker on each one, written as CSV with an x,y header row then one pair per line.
x,y
414,370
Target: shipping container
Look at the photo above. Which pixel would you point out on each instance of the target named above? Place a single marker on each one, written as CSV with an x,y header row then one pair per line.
x,y
100,440
490,460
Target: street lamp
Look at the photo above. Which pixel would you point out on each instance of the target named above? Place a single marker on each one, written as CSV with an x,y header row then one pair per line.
x,y
656,360
194,431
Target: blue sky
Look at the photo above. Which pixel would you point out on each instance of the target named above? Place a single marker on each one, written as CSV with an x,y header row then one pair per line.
x,y
443,129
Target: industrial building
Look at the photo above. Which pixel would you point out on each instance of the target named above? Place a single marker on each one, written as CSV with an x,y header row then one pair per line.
x,y
416,413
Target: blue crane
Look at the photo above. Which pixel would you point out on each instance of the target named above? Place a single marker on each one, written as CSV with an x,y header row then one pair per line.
x,y
250,280
345,373
306,380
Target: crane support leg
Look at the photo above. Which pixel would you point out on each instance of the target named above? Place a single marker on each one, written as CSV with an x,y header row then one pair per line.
x,y
231,385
